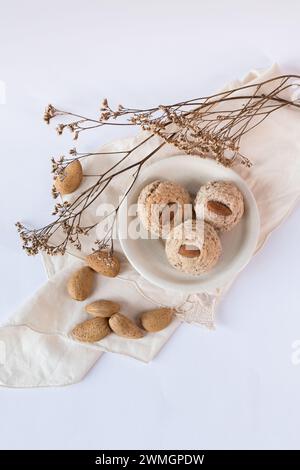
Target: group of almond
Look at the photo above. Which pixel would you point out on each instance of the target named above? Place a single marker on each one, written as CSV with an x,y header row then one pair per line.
x,y
106,313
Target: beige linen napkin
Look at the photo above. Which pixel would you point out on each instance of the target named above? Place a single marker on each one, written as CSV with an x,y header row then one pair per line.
x,y
35,347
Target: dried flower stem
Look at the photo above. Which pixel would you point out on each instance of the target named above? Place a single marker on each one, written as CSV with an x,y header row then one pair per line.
x,y
205,126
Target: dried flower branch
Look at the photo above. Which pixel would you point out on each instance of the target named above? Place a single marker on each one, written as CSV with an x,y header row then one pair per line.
x,y
203,126
199,126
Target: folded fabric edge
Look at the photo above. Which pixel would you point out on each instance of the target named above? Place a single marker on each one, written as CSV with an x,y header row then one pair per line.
x,y
65,345
98,347
152,355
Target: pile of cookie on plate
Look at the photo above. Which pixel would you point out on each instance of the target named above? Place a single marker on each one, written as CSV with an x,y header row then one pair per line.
x,y
190,227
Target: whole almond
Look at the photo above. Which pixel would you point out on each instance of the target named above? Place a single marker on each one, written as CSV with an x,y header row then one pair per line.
x,y
81,283
91,330
219,208
102,308
70,179
157,319
188,253
125,327
104,262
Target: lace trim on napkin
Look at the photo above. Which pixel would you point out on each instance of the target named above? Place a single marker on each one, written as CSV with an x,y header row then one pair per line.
x,y
198,308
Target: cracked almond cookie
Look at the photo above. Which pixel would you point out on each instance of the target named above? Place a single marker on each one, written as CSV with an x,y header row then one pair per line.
x,y
162,205
220,203
193,247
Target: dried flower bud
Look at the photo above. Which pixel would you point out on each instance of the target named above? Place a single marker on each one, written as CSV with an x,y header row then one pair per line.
x,y
54,192
60,128
104,105
49,113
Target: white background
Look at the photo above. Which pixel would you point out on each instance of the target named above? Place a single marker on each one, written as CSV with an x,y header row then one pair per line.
x,y
232,388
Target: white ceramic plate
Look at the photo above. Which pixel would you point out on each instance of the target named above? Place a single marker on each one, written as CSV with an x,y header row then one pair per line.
x,y
148,256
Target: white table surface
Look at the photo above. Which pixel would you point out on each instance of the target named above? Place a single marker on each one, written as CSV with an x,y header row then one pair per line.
x,y
233,388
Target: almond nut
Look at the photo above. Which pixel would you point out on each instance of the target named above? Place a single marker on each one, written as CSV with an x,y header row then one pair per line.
x,y
70,179
125,327
91,330
184,250
157,319
219,208
80,284
102,308
104,262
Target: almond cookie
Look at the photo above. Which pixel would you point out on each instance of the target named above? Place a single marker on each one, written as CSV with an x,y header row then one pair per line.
x,y
220,203
162,205
193,247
